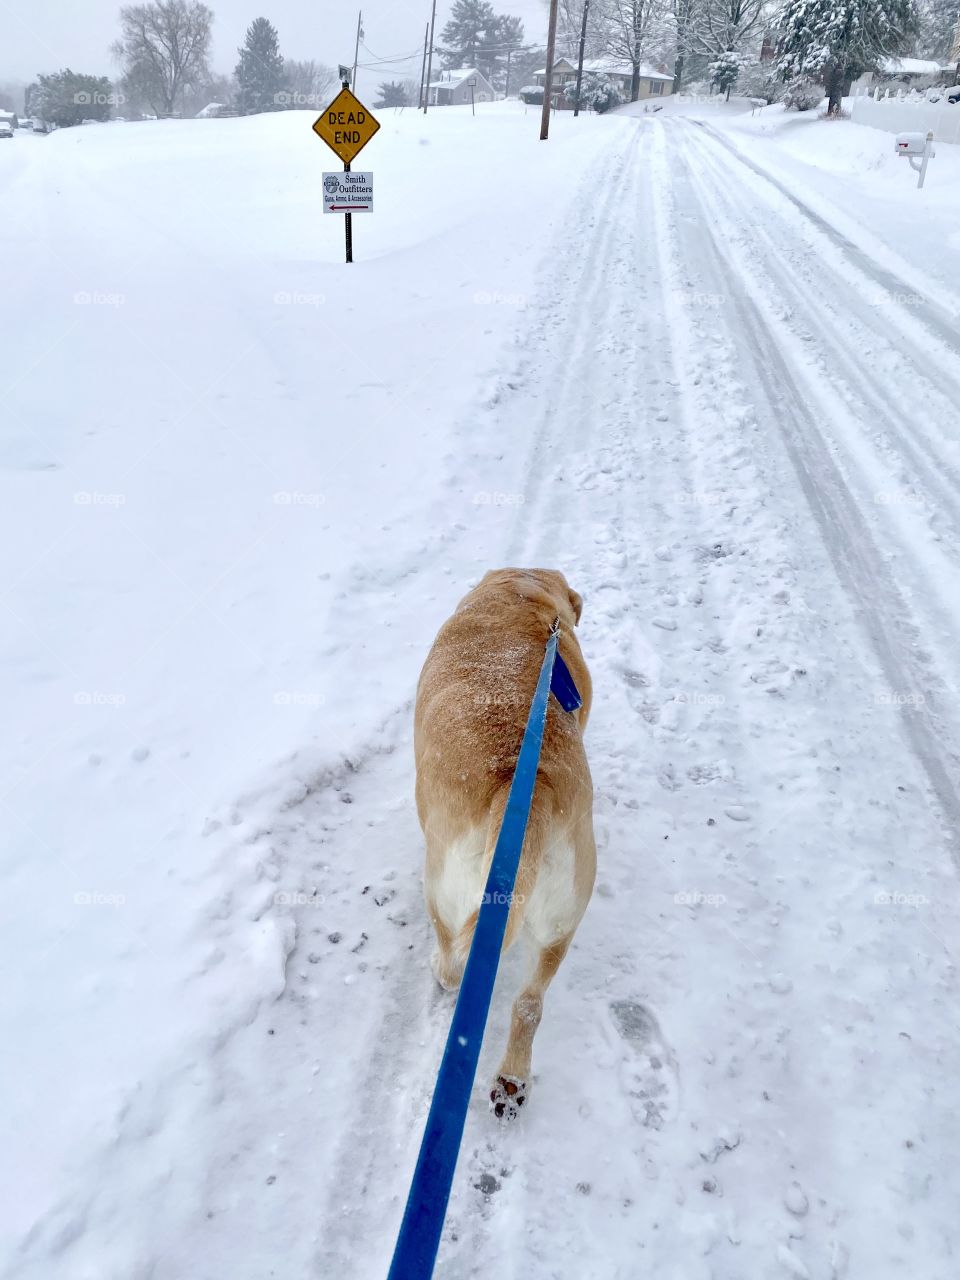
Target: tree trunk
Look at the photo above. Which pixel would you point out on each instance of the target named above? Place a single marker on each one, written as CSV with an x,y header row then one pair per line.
x,y
635,83
678,73
835,89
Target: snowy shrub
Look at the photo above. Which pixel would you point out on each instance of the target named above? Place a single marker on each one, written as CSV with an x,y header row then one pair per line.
x,y
801,94
759,80
604,95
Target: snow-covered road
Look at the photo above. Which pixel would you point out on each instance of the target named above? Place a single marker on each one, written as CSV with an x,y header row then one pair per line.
x,y
736,433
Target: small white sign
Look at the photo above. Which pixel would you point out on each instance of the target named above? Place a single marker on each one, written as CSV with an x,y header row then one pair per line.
x,y
348,192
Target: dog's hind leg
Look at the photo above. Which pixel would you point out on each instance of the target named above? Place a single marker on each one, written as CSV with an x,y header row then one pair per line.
x,y
509,1091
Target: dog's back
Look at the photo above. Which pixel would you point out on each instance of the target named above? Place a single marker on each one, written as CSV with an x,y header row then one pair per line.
x,y
472,704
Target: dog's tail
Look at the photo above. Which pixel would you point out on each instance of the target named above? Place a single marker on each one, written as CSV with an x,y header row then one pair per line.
x,y
534,843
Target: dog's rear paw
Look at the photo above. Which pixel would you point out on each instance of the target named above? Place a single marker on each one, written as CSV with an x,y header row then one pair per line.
x,y
445,972
507,1097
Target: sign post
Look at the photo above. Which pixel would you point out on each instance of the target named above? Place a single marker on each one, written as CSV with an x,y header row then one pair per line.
x,y
346,127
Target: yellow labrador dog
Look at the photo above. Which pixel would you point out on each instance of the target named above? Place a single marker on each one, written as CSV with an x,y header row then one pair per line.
x,y
472,703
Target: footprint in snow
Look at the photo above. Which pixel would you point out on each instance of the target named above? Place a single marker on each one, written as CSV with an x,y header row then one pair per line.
x,y
648,1071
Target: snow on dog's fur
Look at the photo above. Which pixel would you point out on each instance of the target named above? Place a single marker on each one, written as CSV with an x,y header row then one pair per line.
x,y
472,703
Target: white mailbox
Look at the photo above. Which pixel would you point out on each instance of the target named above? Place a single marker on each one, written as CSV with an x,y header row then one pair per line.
x,y
911,144
918,148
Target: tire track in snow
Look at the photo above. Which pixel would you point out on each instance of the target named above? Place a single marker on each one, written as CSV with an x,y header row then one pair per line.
x,y
937,318
846,533
904,384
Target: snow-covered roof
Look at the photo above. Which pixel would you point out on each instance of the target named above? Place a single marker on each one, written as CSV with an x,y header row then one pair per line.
x,y
609,67
909,67
452,79
211,109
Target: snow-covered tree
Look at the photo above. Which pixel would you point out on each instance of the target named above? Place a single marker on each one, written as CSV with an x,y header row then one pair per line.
x,y
837,40
259,73
720,29
163,48
477,36
67,97
939,36
625,29
724,71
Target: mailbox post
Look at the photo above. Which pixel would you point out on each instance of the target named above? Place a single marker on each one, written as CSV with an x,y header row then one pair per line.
x,y
918,148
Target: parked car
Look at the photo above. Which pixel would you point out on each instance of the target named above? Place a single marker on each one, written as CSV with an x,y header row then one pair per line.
x,y
953,94
6,130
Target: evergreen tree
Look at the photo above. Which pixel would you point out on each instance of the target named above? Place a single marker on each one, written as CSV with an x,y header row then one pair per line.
x,y
478,37
259,73
840,39
392,93
67,98
472,26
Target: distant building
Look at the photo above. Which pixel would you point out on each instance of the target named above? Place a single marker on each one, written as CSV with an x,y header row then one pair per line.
x,y
907,73
654,81
454,88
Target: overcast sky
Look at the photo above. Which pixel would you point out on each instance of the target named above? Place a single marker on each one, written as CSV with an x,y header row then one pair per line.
x,y
45,35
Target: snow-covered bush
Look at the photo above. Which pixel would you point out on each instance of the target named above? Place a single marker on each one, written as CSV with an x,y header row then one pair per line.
x,y
604,95
802,94
759,80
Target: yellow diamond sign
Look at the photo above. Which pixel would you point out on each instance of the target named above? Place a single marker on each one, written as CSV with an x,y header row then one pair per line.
x,y
346,126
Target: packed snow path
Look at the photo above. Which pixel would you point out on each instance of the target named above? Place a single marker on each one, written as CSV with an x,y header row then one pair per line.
x,y
741,447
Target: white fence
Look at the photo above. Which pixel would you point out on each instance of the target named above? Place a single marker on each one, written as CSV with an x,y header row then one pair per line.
x,y
908,115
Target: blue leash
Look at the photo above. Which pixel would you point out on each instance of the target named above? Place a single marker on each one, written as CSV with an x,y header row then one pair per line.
x,y
416,1251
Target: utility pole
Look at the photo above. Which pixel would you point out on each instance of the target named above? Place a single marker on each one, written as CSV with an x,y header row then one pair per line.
x,y
583,41
423,65
548,85
426,96
356,47
506,90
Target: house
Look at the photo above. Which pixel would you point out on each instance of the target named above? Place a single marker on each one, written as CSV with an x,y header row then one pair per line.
x,y
654,81
460,87
901,73
10,118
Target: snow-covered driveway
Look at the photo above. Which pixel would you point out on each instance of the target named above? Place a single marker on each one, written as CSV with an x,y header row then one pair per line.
x,y
739,441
